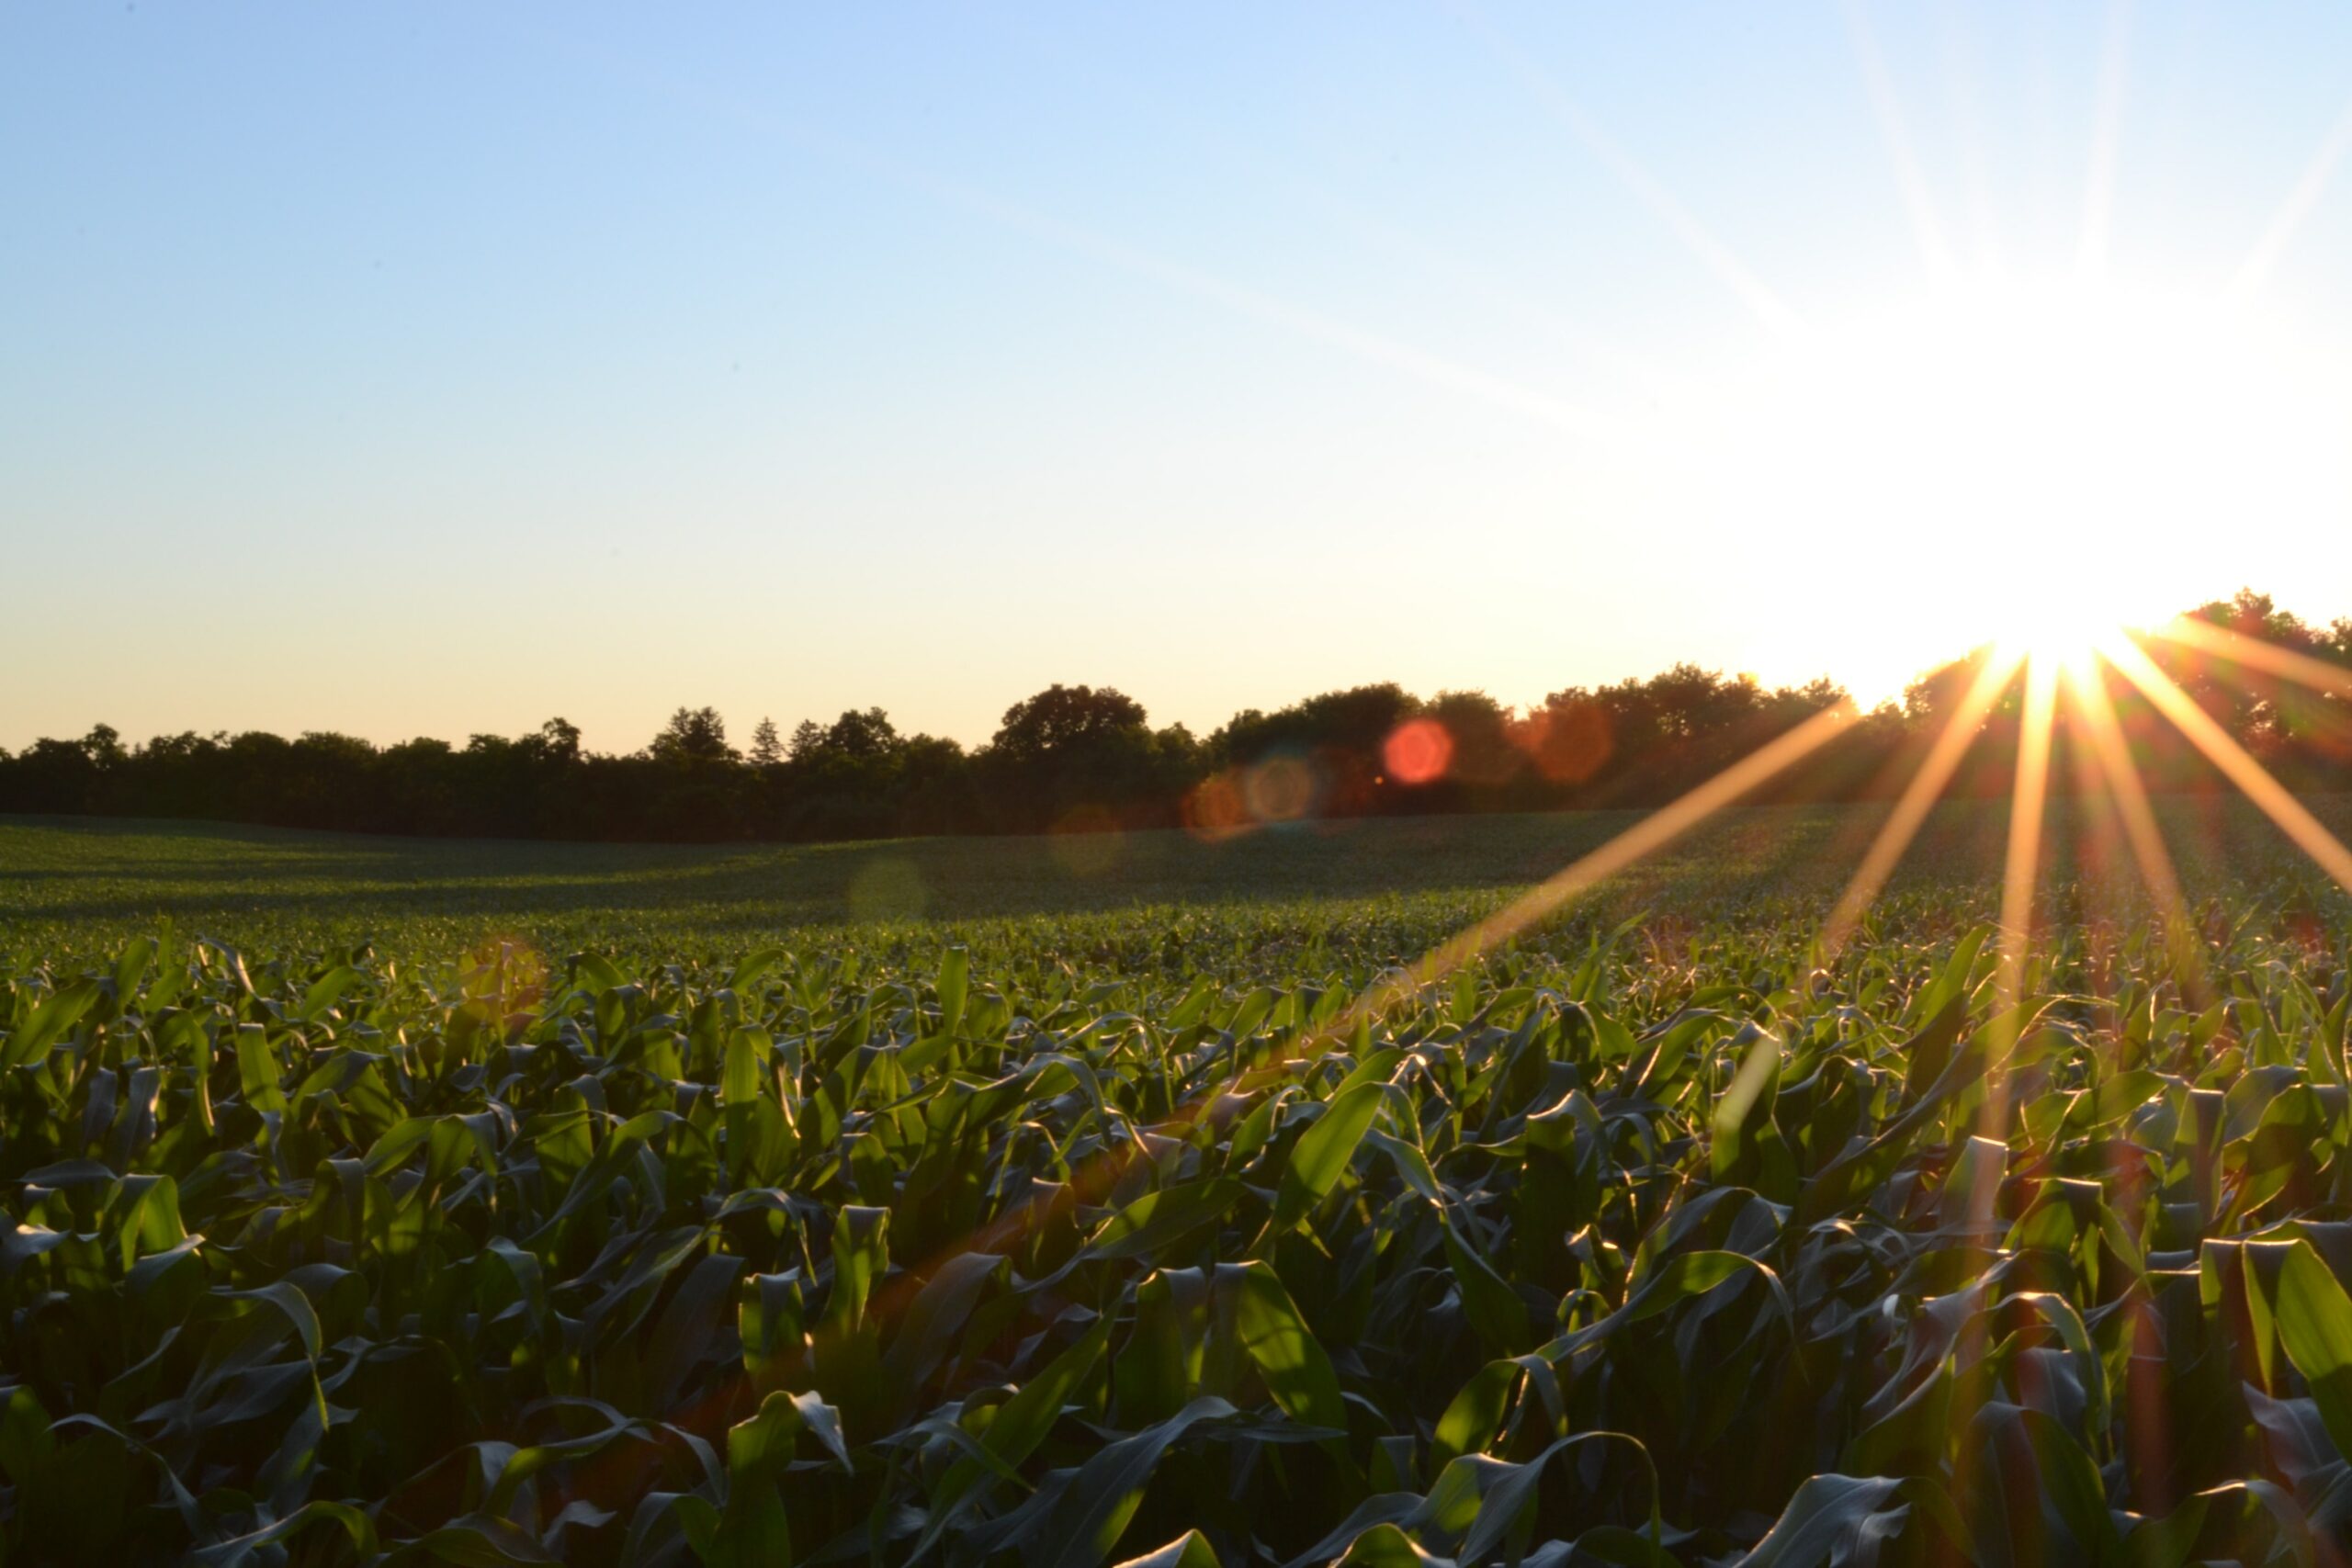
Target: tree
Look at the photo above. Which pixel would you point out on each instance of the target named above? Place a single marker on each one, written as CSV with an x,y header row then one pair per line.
x,y
1480,730
1340,738
1934,695
558,740
1079,757
1179,748
1076,746
866,737
767,747
1352,723
1568,738
1061,720
2256,615
53,775
859,736
694,734
104,743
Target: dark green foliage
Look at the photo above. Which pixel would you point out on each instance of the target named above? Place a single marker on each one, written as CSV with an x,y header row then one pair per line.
x,y
1625,1246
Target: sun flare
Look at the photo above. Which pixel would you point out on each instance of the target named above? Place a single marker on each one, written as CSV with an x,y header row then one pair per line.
x,y
2041,623
2039,465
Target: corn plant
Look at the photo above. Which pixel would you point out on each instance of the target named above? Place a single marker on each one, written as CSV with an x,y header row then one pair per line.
x,y
1664,1243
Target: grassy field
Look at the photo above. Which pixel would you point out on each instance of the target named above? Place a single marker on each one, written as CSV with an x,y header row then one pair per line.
x,y
73,885
1064,1203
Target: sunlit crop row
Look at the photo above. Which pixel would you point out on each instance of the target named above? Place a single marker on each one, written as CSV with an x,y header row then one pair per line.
x,y
1611,1248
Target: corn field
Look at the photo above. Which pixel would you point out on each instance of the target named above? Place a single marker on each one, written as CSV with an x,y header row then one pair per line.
x,y
1642,1244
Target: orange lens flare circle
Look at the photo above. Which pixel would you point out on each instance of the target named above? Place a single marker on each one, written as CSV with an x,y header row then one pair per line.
x,y
1216,810
1418,751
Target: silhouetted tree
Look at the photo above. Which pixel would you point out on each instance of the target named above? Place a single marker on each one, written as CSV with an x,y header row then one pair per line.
x,y
1063,721
1478,734
1081,756
767,747
692,735
559,741
104,744
865,735
1078,747
1355,722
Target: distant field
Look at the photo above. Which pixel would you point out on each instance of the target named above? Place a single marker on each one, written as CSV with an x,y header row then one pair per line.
x,y
747,1220
70,885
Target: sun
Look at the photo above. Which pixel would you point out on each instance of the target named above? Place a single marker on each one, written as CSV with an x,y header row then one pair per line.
x,y
2043,620
2033,464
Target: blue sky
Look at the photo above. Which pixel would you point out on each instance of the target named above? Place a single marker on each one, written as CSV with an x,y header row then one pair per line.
x,y
437,368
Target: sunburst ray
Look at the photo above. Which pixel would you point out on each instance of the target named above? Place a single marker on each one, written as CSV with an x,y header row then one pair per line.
x,y
2191,631
1645,187
2107,126
1638,842
1894,134
1926,786
2236,763
2112,754
2254,271
2020,873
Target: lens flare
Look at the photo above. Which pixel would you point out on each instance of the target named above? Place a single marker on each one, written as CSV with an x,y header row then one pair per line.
x,y
1567,744
1281,789
887,888
1215,810
1418,751
1086,841
505,979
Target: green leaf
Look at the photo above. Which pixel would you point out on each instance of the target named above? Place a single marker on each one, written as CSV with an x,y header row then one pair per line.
x,y
861,1255
753,1529
1297,1371
129,968
258,1069
1476,1414
1841,1521
1322,1153
1191,1550
954,984
1493,1306
355,1526
2315,1324
1506,1493
1092,1515
326,991
1386,1546
48,1025
1743,1117
1153,1222
1021,1423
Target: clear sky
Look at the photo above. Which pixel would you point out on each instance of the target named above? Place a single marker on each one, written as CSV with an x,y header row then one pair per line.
x,y
435,368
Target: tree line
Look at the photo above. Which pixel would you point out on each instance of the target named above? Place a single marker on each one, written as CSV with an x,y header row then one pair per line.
x,y
1082,758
